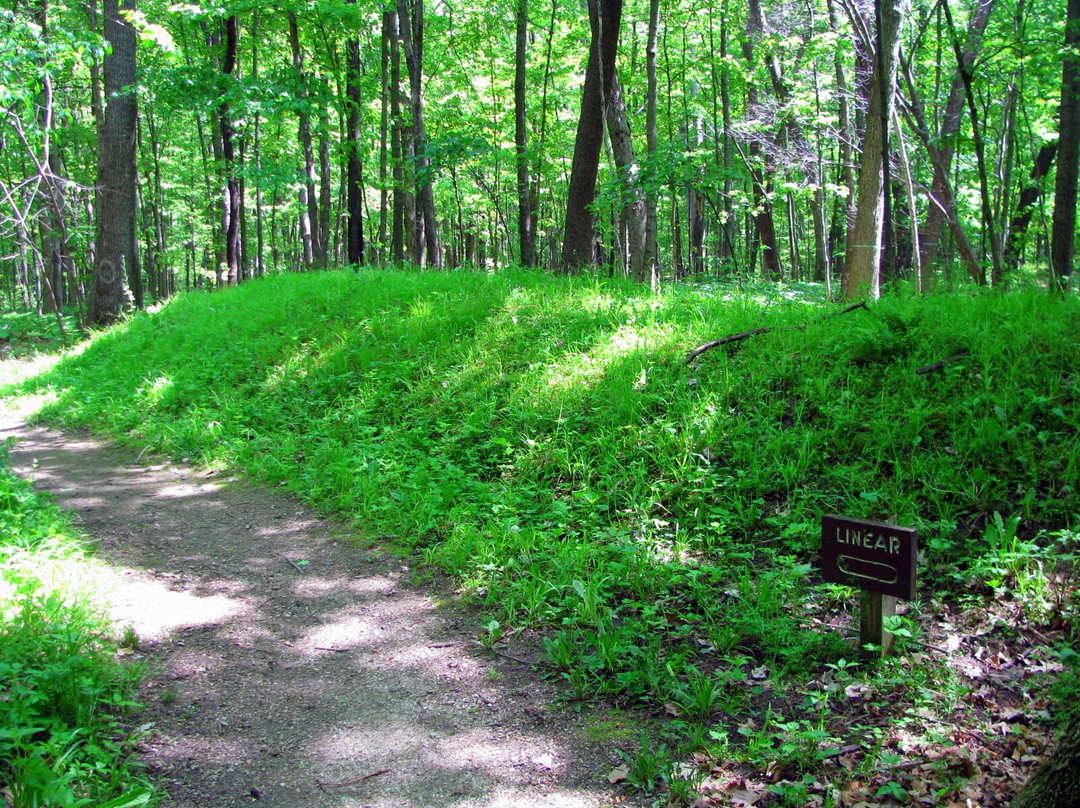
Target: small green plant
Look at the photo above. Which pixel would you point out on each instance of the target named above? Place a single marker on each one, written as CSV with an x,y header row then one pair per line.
x,y
648,766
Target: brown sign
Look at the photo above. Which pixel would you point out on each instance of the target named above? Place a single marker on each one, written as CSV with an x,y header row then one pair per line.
x,y
869,555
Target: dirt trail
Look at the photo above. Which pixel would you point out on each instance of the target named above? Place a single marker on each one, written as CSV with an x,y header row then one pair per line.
x,y
288,663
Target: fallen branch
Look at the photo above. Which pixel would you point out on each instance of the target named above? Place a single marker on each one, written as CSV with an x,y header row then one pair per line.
x,y
353,782
708,346
296,566
939,365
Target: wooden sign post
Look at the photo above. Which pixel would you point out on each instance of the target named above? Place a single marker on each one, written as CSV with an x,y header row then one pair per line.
x,y
877,558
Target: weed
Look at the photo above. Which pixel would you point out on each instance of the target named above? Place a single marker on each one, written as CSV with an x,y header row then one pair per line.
x,y
648,766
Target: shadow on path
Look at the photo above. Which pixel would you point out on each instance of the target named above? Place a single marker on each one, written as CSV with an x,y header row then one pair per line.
x,y
288,663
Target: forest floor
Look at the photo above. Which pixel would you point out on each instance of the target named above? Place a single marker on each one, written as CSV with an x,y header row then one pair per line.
x,y
289,666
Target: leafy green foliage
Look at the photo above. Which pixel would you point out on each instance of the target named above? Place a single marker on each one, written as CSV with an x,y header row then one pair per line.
x,y
64,700
544,441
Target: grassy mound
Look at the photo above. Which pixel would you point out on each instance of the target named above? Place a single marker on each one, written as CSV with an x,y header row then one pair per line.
x,y
546,441
528,432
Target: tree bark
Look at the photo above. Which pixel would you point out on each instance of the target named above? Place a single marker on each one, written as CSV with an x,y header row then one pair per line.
x,y
763,210
632,214
652,146
865,242
411,15
1025,207
116,252
526,236
950,126
231,221
1063,231
309,204
1056,783
579,237
355,191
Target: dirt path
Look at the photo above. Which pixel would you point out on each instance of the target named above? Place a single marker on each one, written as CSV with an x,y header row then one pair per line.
x,y
288,663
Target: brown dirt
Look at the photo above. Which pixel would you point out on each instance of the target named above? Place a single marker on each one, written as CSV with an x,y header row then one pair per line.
x,y
288,664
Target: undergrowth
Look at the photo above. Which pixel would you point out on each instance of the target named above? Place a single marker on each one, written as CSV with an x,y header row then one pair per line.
x,y
546,442
65,702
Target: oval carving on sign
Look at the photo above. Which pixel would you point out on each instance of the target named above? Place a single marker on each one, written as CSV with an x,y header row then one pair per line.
x,y
870,570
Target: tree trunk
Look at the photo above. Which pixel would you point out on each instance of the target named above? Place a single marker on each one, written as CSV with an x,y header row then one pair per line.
x,y
309,205
579,237
411,15
763,210
355,191
865,242
397,152
116,250
1025,208
260,267
950,126
1063,232
231,221
652,145
526,236
632,215
1056,783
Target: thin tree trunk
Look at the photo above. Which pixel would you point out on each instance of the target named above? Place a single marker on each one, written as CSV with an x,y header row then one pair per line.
x,y
526,236
309,205
260,267
1025,208
950,126
231,222
411,14
397,250
651,270
355,189
632,215
384,139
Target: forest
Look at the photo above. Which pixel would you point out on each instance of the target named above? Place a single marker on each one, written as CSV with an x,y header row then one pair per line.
x,y
167,147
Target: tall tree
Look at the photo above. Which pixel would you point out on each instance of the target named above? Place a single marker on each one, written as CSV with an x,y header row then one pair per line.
x,y
865,243
314,253
355,191
116,253
1063,233
411,15
231,207
579,237
526,235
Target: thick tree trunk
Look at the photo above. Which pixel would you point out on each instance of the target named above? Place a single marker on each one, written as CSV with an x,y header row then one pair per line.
x,y
1056,783
526,236
116,253
579,237
865,243
1063,232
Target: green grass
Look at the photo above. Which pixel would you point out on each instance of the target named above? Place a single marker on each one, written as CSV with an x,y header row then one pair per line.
x,y
544,441
65,701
